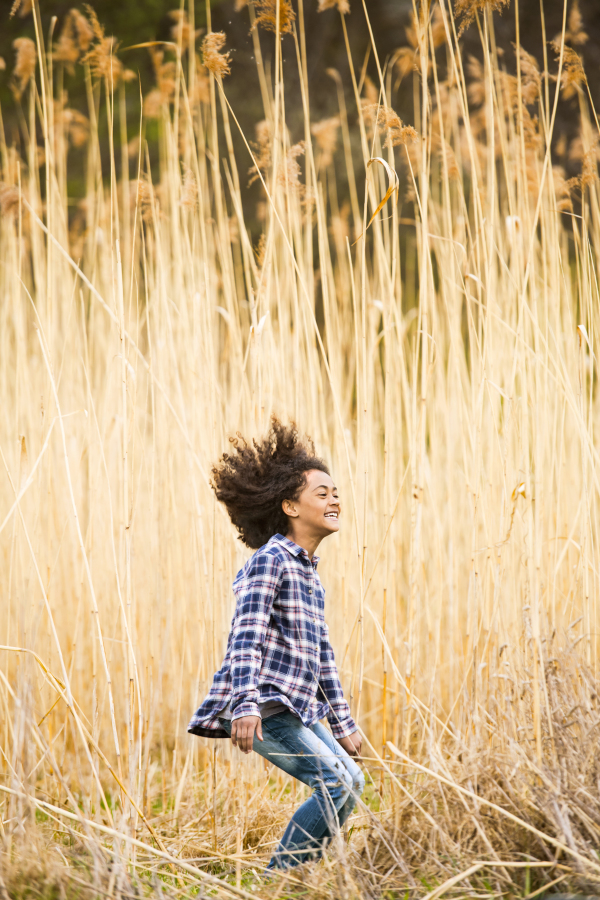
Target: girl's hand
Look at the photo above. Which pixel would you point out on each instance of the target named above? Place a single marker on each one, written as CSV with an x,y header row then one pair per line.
x,y
352,744
243,730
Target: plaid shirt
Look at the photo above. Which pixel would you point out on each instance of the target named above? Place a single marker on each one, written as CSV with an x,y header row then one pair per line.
x,y
278,646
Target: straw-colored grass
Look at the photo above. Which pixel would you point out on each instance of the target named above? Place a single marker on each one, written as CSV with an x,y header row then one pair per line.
x,y
444,359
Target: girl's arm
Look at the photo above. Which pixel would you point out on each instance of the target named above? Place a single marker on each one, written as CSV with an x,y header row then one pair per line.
x,y
255,595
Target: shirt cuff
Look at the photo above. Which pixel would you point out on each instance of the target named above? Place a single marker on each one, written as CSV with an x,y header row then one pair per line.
x,y
245,709
343,729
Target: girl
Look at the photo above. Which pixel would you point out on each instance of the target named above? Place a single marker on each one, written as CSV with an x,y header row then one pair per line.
x,y
279,677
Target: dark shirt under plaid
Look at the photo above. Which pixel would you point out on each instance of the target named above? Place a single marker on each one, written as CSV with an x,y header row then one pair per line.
x,y
278,647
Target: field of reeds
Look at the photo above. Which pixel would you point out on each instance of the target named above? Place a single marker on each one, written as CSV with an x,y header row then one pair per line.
x,y
440,349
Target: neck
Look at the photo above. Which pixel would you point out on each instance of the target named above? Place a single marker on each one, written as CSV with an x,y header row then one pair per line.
x,y
307,541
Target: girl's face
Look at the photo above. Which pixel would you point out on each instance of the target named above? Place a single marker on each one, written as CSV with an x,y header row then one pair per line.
x,y
317,509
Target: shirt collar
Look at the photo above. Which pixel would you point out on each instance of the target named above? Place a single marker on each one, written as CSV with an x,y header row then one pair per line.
x,y
294,548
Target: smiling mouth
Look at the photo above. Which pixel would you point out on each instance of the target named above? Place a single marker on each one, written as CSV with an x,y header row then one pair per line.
x,y
331,515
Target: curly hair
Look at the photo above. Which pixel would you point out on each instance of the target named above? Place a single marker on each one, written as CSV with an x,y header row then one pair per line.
x,y
254,480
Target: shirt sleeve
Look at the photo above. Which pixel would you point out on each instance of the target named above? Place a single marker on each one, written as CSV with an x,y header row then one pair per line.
x,y
341,722
255,597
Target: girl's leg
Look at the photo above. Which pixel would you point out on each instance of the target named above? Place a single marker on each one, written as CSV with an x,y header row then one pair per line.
x,y
297,750
358,779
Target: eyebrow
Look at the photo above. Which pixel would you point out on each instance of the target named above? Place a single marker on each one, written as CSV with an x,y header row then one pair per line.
x,y
326,486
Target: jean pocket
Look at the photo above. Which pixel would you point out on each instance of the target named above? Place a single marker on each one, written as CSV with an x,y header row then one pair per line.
x,y
279,723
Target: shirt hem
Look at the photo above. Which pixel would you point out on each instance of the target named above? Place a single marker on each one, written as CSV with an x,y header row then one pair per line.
x,y
199,731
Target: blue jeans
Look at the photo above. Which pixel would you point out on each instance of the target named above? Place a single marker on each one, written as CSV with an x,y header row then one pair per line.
x,y
313,756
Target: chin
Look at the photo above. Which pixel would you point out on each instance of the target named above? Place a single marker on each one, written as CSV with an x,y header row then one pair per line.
x,y
332,527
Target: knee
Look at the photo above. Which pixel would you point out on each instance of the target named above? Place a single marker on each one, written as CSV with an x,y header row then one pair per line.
x,y
358,784
339,789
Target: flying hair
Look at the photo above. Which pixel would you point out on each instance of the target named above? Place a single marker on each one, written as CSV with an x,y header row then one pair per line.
x,y
255,479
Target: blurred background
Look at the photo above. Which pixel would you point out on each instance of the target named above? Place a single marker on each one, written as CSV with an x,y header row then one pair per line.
x,y
154,20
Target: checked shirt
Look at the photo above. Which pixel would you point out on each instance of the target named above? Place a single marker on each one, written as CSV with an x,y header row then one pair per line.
x,y
278,647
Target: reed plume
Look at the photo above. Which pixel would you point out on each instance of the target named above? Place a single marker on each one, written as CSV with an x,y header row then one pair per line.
x,y
25,63
342,6
219,64
267,12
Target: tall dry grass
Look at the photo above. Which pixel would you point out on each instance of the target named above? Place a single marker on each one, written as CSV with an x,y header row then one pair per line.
x,y
442,358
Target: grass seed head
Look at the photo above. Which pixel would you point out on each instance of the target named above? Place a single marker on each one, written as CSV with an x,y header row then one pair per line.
x,y
447,154
390,124
189,189
325,133
466,11
262,151
162,94
66,50
101,56
21,7
531,80
576,33
219,64
24,65
589,168
438,30
290,170
78,127
342,6
573,74
181,33
405,61
267,15
9,199
260,250
153,104
83,30
476,86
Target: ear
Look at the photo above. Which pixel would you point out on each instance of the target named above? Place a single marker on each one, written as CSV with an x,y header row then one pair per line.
x,y
289,509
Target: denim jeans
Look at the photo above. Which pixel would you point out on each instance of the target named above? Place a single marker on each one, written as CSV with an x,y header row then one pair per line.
x,y
313,756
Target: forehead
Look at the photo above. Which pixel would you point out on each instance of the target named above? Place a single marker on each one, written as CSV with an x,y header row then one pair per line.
x,y
315,478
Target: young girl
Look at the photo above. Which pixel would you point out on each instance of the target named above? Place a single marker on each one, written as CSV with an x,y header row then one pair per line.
x,y
279,678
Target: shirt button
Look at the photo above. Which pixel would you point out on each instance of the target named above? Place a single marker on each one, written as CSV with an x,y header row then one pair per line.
x,y
310,590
